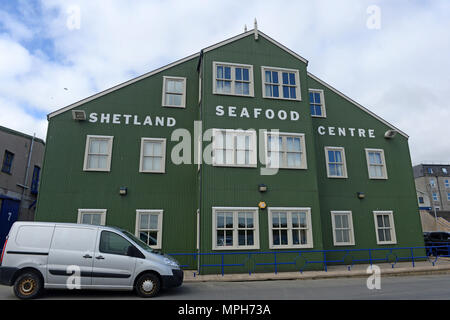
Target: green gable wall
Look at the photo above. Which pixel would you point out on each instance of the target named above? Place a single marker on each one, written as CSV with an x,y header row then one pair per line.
x,y
65,187
183,189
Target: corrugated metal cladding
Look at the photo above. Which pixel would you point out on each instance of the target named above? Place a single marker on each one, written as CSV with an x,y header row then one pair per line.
x,y
332,150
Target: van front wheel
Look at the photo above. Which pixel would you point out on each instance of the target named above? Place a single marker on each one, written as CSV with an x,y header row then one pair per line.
x,y
148,285
28,285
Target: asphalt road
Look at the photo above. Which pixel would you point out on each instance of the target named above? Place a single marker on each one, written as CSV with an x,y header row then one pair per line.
x,y
408,288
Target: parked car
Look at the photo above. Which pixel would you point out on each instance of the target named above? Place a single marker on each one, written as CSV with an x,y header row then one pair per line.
x,y
439,242
39,255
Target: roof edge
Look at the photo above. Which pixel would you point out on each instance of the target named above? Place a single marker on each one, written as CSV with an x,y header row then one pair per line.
x,y
357,104
120,86
21,134
260,33
148,74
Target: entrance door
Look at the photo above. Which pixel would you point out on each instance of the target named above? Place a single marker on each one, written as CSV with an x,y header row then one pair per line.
x,y
8,215
113,266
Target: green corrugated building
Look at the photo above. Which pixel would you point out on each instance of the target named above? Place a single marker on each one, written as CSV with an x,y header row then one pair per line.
x,y
237,148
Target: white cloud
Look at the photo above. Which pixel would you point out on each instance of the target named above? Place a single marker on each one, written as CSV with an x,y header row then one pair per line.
x,y
14,117
398,72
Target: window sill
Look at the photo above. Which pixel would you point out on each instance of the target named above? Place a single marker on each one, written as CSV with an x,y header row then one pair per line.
x,y
234,95
386,243
308,246
177,107
284,99
235,248
234,165
343,244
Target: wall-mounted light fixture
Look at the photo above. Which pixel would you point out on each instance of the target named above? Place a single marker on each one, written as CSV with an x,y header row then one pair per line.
x,y
360,195
123,191
262,205
262,187
390,134
78,115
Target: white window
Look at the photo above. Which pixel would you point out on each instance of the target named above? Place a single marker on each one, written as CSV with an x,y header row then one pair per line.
x,y
342,223
384,227
317,103
336,164
432,183
174,92
149,227
153,155
285,150
233,79
234,148
279,83
235,228
435,196
290,228
92,216
97,156
376,164
447,183
448,196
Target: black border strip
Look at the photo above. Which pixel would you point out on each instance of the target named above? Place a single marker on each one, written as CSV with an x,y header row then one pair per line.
x,y
30,253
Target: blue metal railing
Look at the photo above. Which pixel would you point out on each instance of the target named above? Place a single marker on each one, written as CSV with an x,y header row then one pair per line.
x,y
348,257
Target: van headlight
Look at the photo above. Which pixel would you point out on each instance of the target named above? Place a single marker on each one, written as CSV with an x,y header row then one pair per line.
x,y
170,262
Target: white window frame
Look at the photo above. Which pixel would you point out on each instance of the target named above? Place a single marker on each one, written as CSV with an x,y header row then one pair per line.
x,y
322,104
137,228
447,183
432,183
392,227
344,162
235,133
290,245
383,160
233,80
86,152
284,135
235,211
280,84
163,161
435,196
350,228
101,212
183,95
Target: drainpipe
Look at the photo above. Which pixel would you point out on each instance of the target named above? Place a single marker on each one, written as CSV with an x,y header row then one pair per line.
x,y
24,186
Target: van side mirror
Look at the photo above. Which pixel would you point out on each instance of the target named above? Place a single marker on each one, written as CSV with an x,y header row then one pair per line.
x,y
134,252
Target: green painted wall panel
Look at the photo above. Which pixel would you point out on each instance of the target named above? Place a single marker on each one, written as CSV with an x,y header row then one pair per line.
x,y
181,190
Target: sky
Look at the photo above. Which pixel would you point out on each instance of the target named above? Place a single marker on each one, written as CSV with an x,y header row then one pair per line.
x,y
390,56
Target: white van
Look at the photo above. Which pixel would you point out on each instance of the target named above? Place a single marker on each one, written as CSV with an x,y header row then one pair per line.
x,y
39,255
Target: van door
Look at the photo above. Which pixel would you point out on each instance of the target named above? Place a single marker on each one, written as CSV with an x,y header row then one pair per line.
x,y
71,254
112,266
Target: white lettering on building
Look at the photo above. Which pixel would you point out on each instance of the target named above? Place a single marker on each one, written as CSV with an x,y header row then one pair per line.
x,y
342,132
136,120
243,112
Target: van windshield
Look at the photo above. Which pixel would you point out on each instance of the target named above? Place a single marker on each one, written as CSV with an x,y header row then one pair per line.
x,y
139,242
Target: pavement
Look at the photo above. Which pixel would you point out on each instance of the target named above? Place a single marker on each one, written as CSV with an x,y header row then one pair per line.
x,y
441,266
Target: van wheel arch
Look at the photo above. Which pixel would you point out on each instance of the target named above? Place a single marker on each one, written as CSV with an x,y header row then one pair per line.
x,y
148,284
146,272
27,269
28,283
